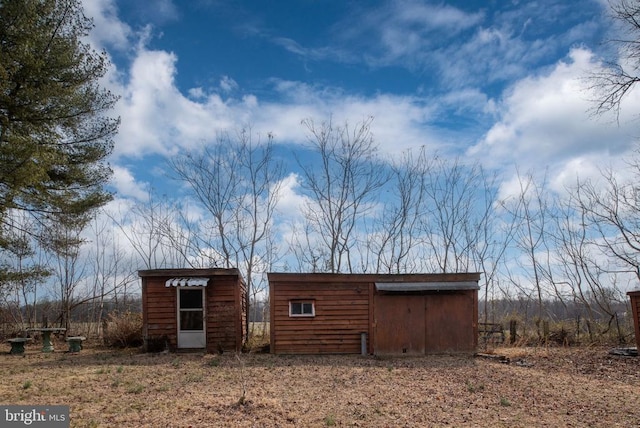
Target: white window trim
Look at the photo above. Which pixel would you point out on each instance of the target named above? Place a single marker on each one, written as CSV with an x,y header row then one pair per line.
x,y
302,302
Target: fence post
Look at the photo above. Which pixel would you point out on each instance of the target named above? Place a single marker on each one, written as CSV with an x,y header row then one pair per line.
x,y
513,324
545,330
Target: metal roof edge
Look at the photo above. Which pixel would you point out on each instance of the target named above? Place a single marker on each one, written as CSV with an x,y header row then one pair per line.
x,y
188,272
427,286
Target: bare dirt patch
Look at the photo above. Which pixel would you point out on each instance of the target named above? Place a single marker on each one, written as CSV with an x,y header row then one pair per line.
x,y
552,387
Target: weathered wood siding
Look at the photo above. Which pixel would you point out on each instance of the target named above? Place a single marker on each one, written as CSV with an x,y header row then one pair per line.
x,y
635,308
347,305
341,315
420,323
451,321
224,306
224,327
392,314
159,311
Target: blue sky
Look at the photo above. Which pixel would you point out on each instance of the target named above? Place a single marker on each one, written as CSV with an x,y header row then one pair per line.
x,y
498,82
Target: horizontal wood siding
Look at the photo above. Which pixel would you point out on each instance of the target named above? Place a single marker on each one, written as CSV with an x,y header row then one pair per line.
x,y
341,315
345,307
225,309
160,309
635,308
221,311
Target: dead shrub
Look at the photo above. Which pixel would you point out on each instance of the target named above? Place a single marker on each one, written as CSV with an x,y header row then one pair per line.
x,y
123,330
561,335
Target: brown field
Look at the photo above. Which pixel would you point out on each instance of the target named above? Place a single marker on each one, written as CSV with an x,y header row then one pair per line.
x,y
542,387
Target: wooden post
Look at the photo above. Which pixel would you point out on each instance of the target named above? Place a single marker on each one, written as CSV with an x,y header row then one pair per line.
x,y
513,328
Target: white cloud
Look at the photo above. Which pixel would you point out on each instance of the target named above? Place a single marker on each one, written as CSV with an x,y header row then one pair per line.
x,y
109,30
545,121
402,31
197,93
399,121
158,119
126,185
290,201
540,121
161,10
227,84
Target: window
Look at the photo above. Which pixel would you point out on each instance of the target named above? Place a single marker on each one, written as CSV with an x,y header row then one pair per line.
x,y
302,309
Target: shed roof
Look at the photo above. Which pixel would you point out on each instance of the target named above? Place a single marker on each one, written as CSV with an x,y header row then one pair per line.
x,y
427,286
302,278
183,272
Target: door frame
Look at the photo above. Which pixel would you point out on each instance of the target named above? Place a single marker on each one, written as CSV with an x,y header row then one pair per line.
x,y
191,339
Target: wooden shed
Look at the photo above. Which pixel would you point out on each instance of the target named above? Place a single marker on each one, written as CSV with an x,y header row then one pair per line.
x,y
194,309
415,314
635,308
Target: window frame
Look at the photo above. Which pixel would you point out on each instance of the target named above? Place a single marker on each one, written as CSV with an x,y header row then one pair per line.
x,y
302,302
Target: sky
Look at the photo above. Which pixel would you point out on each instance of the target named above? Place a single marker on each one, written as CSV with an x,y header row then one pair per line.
x,y
502,83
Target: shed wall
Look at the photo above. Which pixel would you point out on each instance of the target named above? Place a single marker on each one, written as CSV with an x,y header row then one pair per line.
x,y
224,315
635,307
342,314
159,311
347,305
225,311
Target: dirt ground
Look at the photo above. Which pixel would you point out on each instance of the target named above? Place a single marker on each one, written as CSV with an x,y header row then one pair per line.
x,y
540,387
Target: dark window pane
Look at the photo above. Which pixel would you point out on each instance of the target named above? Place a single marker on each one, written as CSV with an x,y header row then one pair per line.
x,y
307,308
191,298
296,308
191,320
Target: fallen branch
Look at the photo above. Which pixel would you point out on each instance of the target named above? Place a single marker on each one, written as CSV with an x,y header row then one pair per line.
x,y
500,358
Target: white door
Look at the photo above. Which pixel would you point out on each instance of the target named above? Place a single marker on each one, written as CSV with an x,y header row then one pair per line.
x,y
191,319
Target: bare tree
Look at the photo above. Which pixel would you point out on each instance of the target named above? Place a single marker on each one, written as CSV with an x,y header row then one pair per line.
x,y
303,247
584,267
341,184
396,238
612,208
458,202
145,225
613,82
237,182
65,240
112,271
529,209
490,237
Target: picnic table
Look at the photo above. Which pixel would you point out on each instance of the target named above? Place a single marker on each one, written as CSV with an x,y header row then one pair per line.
x,y
17,345
75,343
47,345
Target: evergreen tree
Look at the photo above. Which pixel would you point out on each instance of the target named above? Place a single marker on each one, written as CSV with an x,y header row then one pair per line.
x,y
55,128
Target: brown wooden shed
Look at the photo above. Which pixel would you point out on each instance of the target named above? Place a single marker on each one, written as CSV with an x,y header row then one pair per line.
x,y
194,308
635,308
318,313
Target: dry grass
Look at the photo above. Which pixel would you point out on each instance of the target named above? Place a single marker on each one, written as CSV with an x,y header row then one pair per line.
x,y
106,388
